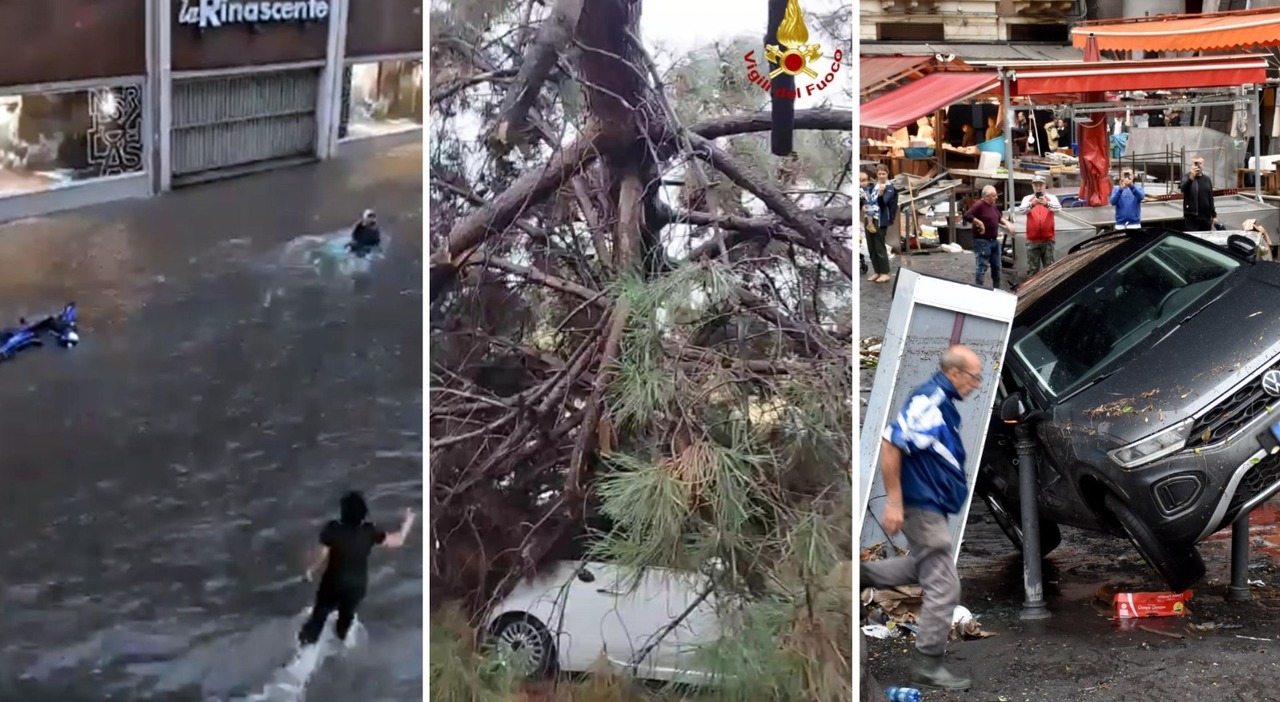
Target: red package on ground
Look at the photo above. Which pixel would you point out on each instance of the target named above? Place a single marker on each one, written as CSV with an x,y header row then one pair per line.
x,y
1130,605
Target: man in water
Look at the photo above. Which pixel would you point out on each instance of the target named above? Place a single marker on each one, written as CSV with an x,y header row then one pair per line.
x,y
344,552
365,237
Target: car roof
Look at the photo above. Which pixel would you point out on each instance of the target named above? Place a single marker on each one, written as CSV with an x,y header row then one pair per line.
x,y
1087,262
1076,270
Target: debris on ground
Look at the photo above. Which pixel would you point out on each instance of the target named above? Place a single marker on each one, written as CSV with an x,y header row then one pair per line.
x,y
869,351
1152,630
900,607
880,551
880,631
1212,626
1136,605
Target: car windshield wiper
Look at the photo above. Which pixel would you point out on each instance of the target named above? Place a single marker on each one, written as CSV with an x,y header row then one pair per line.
x,y
1092,382
1187,318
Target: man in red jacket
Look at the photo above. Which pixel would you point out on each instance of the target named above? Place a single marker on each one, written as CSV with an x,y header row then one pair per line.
x,y
1039,207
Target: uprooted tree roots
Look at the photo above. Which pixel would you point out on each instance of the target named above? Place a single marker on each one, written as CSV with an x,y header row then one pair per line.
x,y
623,374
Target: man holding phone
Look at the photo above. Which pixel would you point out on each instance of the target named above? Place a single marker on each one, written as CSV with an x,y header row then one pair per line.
x,y
1127,199
1039,207
1199,213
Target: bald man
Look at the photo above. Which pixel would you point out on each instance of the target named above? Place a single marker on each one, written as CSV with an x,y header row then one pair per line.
x,y
987,220
922,464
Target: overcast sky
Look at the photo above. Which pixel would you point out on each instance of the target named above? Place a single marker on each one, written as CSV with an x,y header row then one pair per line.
x,y
677,26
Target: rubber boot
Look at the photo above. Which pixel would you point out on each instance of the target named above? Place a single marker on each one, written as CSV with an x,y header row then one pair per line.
x,y
928,671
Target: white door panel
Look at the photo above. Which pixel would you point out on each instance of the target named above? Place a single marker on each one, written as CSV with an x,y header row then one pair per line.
x,y
637,603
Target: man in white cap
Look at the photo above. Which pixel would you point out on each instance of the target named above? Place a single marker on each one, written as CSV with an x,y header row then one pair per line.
x,y
1039,207
365,237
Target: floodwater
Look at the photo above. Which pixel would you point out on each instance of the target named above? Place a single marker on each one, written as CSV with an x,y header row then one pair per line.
x,y
165,479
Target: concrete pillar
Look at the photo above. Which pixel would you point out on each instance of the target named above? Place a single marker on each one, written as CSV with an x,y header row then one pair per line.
x,y
329,109
160,84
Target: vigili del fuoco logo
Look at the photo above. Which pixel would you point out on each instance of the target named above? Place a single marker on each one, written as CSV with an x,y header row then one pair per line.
x,y
794,57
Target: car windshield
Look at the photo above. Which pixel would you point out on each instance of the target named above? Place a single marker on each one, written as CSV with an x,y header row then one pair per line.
x,y
1031,291
1119,310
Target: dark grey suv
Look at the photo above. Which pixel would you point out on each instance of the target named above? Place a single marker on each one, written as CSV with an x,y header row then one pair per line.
x,y
1150,361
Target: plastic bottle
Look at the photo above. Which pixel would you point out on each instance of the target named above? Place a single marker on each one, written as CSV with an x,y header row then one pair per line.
x,y
903,694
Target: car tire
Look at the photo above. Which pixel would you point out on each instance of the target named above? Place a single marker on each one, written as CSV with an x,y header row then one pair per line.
x,y
522,639
1010,521
1179,566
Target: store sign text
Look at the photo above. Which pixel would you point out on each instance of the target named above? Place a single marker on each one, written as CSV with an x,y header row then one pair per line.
x,y
215,13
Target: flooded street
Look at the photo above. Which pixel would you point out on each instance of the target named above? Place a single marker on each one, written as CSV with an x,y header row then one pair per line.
x,y
166,478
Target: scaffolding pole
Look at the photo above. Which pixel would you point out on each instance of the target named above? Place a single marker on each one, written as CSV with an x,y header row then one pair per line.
x,y
1256,108
1008,144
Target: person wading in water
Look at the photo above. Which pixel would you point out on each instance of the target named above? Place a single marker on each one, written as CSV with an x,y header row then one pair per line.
x,y
345,545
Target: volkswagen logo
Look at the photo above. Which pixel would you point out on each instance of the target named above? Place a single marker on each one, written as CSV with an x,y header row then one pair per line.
x,y
1271,382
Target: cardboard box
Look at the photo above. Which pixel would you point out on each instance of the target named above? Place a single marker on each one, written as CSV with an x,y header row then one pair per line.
x,y
1136,605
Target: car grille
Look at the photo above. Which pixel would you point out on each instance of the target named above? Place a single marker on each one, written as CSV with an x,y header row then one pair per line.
x,y
1262,476
1228,416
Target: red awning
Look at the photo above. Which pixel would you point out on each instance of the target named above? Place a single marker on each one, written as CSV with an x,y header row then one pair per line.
x,y
1219,31
892,111
1116,76
874,71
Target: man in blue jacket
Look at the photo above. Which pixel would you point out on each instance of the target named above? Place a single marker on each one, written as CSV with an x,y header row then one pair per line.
x,y
1127,199
922,465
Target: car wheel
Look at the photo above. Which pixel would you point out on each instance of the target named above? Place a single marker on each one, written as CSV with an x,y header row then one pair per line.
x,y
525,644
1010,521
1179,566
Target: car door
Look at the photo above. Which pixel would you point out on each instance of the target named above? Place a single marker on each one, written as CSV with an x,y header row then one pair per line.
x,y
678,659
632,607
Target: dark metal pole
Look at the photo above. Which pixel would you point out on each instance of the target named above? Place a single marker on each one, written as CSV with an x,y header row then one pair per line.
x,y
1239,589
1008,143
1033,607
1255,107
782,90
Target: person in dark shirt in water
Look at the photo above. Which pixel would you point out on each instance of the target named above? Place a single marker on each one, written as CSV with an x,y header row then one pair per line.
x,y
365,236
345,544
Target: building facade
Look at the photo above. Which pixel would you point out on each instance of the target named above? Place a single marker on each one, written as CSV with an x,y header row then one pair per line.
x,y
129,98
966,21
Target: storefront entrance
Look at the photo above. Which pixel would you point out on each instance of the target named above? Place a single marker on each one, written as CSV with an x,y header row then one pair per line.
x,y
225,125
112,99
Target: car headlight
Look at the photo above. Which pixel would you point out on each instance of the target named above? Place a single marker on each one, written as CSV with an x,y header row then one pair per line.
x,y
1155,446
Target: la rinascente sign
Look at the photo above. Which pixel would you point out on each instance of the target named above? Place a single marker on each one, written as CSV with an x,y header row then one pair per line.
x,y
215,13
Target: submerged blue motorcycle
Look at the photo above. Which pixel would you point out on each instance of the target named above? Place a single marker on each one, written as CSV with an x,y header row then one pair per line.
x,y
61,327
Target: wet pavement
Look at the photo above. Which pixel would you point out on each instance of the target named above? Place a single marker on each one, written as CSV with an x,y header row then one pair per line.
x,y
166,478
1222,651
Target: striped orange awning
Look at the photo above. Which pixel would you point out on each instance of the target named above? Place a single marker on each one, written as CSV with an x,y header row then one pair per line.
x,y
1117,76
895,110
1220,31
877,71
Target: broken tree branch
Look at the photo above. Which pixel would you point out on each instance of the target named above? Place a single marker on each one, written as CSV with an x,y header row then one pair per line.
x,y
747,228
444,93
553,36
503,210
818,236
823,119
807,335
585,442
537,276
535,186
